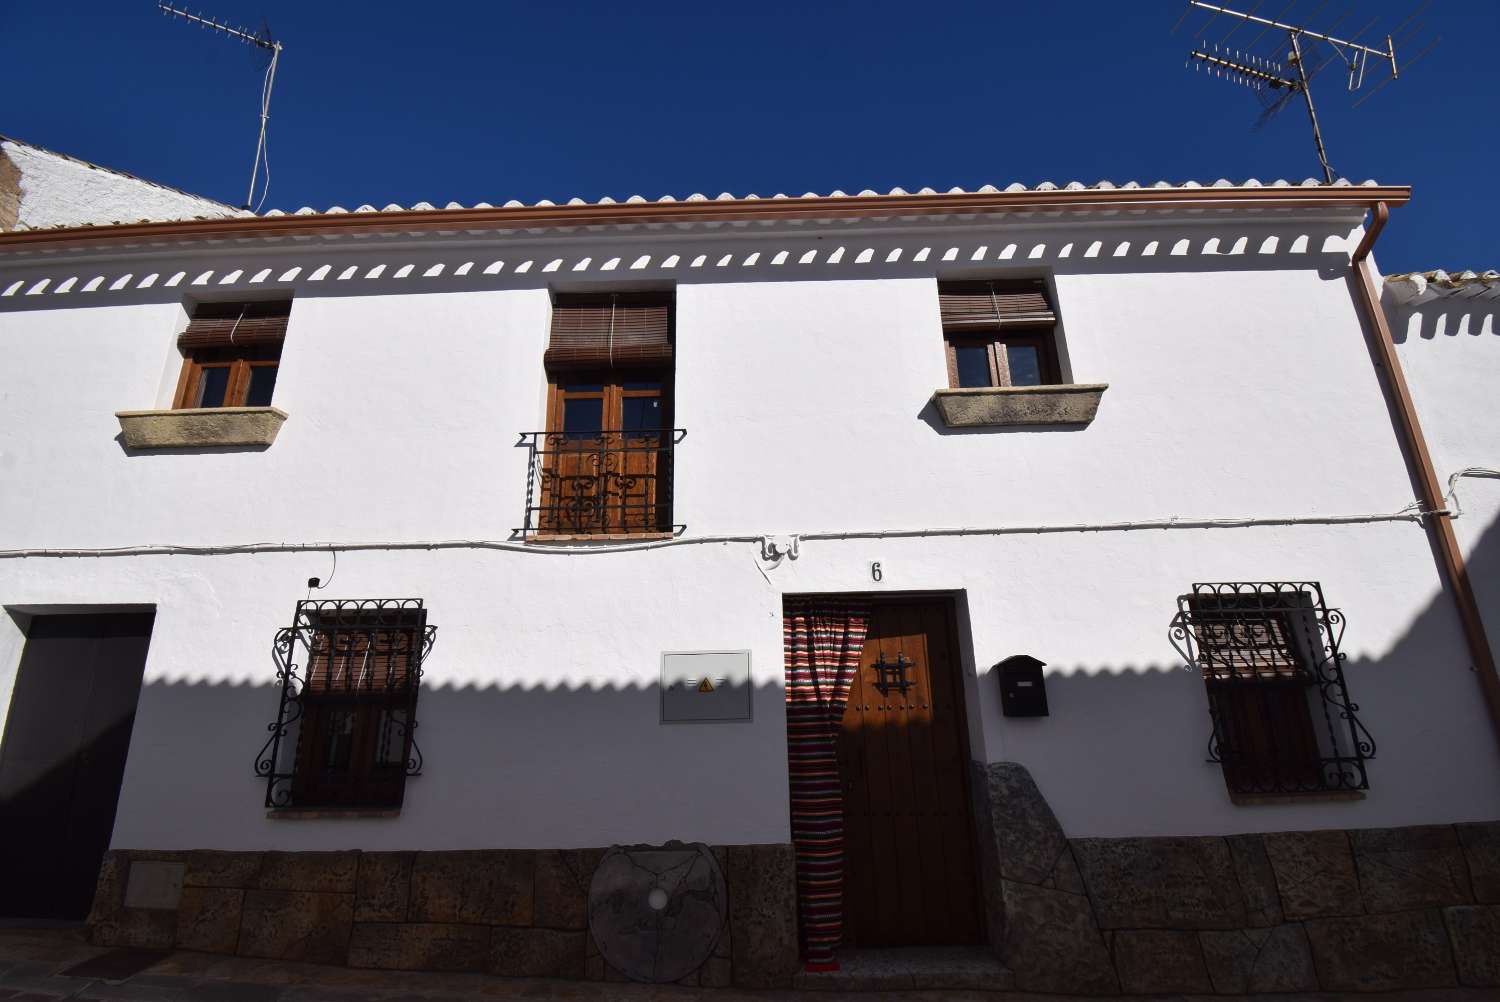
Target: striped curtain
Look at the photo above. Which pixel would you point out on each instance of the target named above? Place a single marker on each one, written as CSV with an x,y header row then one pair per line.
x,y
823,640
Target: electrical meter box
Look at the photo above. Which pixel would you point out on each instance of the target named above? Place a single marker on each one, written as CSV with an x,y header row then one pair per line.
x,y
702,686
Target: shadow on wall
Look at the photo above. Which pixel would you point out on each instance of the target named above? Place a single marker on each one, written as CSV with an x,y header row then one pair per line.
x,y
1484,574
597,755
1407,699
806,254
1474,315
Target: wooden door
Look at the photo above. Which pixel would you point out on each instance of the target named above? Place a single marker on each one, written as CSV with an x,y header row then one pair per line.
x,y
63,757
910,877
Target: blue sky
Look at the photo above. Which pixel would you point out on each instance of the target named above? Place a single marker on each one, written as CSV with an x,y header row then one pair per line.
x,y
383,102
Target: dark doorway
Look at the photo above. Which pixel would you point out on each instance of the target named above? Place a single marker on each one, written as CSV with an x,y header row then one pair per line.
x,y
63,757
910,877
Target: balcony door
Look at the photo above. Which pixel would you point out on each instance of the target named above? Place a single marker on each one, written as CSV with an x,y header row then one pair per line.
x,y
608,436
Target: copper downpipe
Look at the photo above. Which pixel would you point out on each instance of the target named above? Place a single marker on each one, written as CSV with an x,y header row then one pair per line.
x,y
1440,522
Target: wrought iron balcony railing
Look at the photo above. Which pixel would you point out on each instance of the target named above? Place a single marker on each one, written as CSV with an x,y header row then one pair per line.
x,y
599,483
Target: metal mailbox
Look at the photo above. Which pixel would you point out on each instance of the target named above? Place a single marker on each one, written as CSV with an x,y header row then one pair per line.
x,y
1023,689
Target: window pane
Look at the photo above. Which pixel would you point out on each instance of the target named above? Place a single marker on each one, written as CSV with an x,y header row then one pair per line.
x,y
391,740
973,364
581,387
262,381
654,385
211,386
1025,364
338,747
640,414
583,417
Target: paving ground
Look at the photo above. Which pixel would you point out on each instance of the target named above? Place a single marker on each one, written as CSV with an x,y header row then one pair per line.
x,y
31,962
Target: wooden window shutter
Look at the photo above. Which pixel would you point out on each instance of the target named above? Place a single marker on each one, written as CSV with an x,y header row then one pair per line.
x,y
988,306
610,331
1240,639
235,325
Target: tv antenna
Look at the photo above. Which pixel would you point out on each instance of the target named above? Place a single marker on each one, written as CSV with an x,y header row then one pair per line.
x,y
261,40
1273,77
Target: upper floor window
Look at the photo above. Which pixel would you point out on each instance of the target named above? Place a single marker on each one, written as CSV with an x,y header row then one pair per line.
x,y
998,334
350,673
230,354
603,466
1268,651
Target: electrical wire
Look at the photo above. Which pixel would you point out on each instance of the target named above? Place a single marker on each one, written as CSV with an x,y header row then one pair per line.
x,y
263,146
1411,513
1469,471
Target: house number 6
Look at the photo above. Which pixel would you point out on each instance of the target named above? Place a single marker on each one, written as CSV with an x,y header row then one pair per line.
x,y
876,574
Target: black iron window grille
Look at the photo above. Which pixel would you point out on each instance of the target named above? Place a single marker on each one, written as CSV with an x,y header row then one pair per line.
x,y
1268,652
344,730
599,482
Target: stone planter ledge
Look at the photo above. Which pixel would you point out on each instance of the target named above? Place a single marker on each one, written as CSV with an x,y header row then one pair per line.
x,y
1005,406
204,427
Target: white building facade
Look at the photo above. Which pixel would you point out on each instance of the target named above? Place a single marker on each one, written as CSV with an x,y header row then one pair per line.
x,y
1212,416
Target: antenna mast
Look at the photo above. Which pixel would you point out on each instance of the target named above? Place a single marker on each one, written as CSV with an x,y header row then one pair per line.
x,y
1259,73
260,41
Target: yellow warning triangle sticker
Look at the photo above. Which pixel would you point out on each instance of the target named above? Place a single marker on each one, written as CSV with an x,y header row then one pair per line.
x,y
706,686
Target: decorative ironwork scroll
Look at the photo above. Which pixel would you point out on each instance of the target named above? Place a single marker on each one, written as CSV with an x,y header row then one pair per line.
x,y
599,483
344,732
1268,651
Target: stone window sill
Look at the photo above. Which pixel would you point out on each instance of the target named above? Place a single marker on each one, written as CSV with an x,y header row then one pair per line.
x,y
328,813
1008,406
1256,799
200,428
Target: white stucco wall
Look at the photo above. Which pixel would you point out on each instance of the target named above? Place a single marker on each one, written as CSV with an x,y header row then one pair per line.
x,y
57,190
1449,345
1239,386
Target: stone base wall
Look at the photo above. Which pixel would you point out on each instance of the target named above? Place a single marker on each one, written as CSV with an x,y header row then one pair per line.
x,y
1348,911
517,913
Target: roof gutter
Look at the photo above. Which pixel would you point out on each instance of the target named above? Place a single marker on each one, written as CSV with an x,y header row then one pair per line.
x,y
715,210
1439,520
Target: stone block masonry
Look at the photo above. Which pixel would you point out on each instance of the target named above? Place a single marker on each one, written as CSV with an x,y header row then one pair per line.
x,y
1371,910
516,913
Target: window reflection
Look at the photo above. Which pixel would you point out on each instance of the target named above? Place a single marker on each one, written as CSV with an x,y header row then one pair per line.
x,y
640,414
212,386
973,361
262,382
1025,364
583,417
340,741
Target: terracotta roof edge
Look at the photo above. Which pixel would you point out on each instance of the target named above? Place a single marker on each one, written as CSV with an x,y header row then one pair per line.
x,y
720,210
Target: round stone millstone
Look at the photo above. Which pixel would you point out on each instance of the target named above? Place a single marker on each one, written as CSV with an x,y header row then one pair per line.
x,y
656,912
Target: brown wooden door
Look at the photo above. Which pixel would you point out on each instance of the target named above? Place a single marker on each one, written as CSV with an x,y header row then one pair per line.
x,y
903,756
